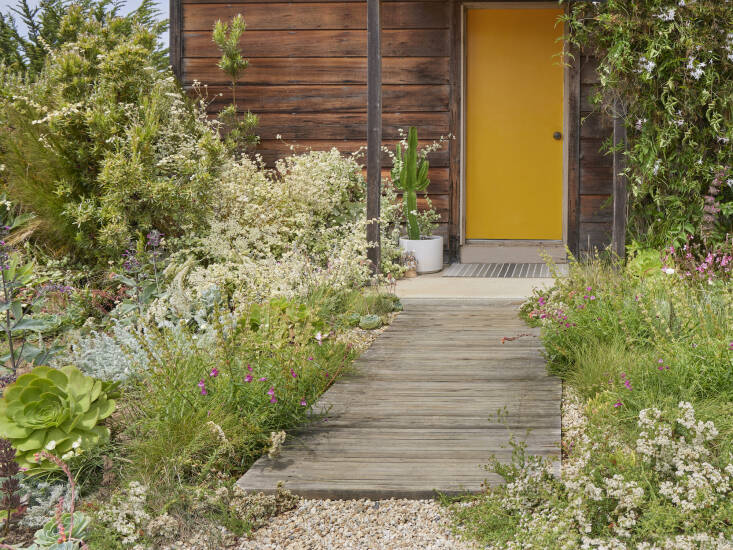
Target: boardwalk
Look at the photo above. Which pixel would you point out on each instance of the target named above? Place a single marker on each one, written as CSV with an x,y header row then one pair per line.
x,y
414,417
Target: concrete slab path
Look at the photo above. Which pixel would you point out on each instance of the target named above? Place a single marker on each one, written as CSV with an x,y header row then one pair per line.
x,y
418,414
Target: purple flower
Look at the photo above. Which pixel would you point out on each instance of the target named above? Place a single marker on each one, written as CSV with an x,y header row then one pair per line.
x,y
249,368
273,399
154,238
319,338
617,404
310,358
627,383
202,385
248,378
214,372
303,403
262,379
585,297
271,391
293,374
592,297
589,288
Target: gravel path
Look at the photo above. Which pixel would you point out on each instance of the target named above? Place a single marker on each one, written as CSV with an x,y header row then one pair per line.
x,y
359,524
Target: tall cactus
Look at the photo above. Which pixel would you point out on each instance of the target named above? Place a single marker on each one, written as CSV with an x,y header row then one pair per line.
x,y
410,176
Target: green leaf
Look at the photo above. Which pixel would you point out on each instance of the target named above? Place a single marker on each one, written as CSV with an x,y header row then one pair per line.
x,y
36,325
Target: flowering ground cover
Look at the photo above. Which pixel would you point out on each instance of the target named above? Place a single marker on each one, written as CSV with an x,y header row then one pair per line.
x,y
646,354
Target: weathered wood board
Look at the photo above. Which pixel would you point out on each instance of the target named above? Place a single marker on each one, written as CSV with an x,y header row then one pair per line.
x,y
418,413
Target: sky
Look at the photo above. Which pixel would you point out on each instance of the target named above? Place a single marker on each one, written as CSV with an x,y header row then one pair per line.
x,y
127,7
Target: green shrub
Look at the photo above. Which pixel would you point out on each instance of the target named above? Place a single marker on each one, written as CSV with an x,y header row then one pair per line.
x,y
103,145
670,64
56,410
645,353
209,401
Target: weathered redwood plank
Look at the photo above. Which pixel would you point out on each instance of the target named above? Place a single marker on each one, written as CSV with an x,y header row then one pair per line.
x,y
572,83
393,429
313,43
316,15
591,154
594,235
596,208
320,70
347,125
595,125
331,98
271,150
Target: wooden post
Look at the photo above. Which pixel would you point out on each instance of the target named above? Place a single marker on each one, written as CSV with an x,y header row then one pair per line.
x,y
374,130
175,30
618,237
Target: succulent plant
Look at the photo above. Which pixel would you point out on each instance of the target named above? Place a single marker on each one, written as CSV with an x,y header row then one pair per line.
x,y
410,175
49,537
57,410
369,322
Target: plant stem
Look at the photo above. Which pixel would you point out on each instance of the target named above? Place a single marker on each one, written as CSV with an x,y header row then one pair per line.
x,y
8,329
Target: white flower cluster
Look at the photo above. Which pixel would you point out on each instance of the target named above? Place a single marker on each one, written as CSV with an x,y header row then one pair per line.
x,y
279,232
683,458
566,512
125,513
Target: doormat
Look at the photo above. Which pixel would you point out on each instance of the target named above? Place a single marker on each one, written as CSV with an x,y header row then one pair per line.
x,y
502,270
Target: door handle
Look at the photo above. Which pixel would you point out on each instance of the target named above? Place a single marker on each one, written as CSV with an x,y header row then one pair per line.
x,y
557,136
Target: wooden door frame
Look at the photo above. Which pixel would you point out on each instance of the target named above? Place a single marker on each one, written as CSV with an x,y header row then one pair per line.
x,y
570,129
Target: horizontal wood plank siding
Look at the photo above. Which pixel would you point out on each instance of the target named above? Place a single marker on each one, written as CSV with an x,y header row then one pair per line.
x,y
307,83
307,75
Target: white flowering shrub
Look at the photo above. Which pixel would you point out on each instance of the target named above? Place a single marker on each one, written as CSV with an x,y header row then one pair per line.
x,y
281,232
669,490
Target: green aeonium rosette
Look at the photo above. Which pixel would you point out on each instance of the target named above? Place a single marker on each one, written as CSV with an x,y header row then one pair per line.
x,y
55,409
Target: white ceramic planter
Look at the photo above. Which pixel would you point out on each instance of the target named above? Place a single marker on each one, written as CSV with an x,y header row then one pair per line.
x,y
428,253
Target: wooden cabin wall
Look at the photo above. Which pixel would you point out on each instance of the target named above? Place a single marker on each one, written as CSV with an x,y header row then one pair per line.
x,y
307,74
596,168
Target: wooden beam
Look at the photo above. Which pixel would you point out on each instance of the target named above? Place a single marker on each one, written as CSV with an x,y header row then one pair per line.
x,y
618,234
374,130
175,50
456,64
572,77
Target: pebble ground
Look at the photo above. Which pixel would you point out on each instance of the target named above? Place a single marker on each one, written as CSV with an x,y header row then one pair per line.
x,y
359,524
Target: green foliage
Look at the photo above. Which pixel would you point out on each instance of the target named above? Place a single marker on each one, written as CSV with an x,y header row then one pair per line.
x,y
647,428
209,400
226,36
670,65
16,295
50,537
644,263
46,32
104,144
370,322
59,410
410,175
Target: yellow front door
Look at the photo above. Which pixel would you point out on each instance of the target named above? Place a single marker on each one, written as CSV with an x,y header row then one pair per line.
x,y
514,107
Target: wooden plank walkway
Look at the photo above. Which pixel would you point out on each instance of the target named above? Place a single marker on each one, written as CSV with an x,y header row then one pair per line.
x,y
418,414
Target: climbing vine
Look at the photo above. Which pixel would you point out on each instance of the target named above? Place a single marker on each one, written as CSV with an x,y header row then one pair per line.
x,y
667,65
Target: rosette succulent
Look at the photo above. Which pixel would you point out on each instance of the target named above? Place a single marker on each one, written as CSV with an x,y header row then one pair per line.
x,y
49,538
58,410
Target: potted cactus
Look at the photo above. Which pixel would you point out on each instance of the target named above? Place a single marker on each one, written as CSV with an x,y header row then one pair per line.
x,y
410,175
